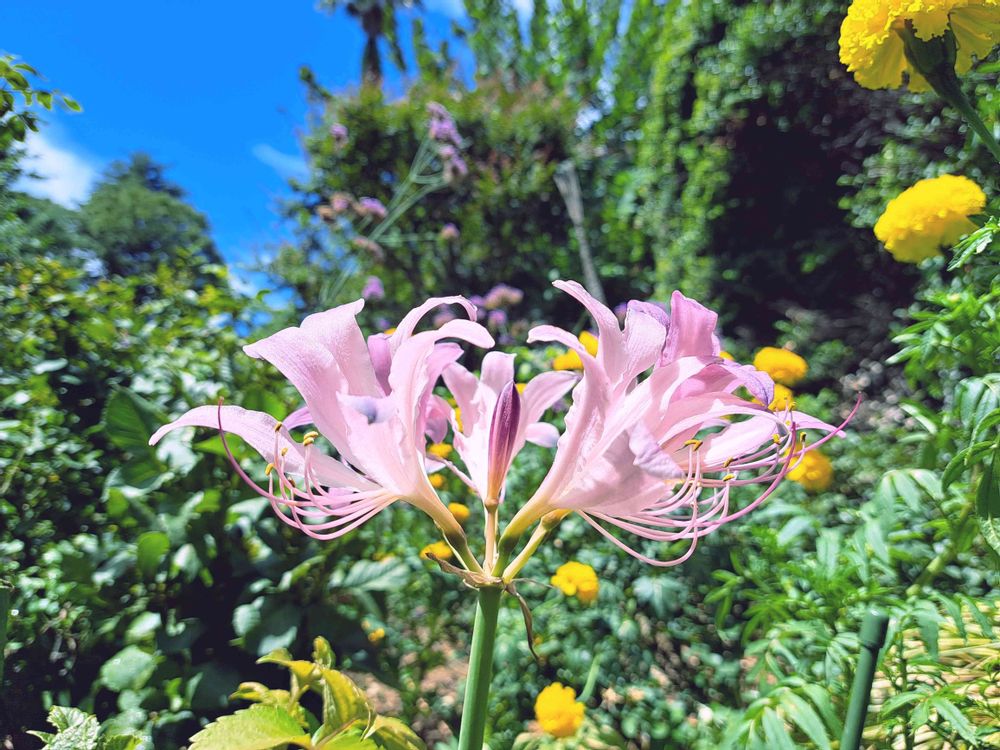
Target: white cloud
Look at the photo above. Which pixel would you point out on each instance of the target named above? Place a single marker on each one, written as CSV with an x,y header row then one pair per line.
x,y
63,175
286,165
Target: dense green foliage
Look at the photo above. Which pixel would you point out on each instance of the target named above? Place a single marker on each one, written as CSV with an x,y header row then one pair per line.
x,y
720,149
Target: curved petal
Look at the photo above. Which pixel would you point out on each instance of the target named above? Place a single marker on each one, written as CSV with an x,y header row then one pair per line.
x,y
258,430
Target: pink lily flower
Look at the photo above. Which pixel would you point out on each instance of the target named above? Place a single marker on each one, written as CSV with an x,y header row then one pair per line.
x,y
487,435
658,457
372,400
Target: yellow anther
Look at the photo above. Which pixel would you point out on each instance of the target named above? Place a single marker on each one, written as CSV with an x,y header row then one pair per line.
x,y
695,443
284,451
776,438
725,464
310,436
268,469
308,441
728,477
278,426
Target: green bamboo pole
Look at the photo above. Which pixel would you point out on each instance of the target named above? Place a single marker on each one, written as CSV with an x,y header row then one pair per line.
x,y
477,686
873,629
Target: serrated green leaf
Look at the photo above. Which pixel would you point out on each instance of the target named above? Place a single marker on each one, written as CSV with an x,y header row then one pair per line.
x,y
76,730
343,701
392,734
259,727
805,718
988,503
958,721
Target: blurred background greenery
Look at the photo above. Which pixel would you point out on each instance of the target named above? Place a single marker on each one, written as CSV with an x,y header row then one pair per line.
x,y
718,148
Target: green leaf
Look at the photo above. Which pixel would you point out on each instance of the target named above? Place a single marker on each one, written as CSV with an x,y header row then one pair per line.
x,y
129,669
368,575
950,713
988,503
343,702
130,420
118,742
259,727
775,731
805,718
150,549
76,730
975,398
392,734
352,741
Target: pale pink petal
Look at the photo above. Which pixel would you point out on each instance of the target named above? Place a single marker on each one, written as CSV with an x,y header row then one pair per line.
x,y
409,323
692,330
258,430
542,433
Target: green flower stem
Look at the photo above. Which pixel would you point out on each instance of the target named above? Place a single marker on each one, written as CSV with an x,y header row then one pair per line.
x,y
964,107
934,59
477,686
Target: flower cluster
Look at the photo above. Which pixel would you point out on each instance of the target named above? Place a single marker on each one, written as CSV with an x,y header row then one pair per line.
x,y
558,711
784,366
872,36
814,472
658,438
928,216
577,579
443,132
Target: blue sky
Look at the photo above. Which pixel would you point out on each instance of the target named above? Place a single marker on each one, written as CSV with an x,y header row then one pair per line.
x,y
209,88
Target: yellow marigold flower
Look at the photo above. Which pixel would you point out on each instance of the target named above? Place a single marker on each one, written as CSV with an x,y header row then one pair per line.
x,y
376,635
441,450
568,361
571,360
932,214
589,342
871,45
436,480
461,512
440,550
814,472
783,398
786,367
577,579
558,711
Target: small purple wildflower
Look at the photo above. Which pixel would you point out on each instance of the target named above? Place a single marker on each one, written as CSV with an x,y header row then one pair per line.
x,y
449,232
443,317
340,202
372,207
502,295
340,134
496,319
373,288
369,246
